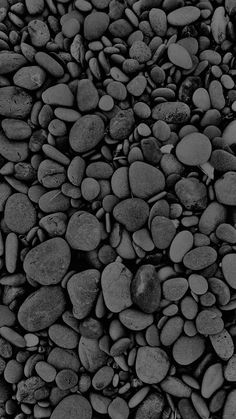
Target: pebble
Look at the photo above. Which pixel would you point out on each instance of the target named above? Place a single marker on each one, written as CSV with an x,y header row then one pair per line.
x,y
171,112
230,406
83,231
180,245
163,231
15,102
187,350
140,52
59,95
183,16
63,359
49,64
230,369
102,378
135,320
201,99
71,408
16,207
63,336
179,56
194,149
15,129
83,290
146,289
91,356
86,133
48,262
228,266
41,308
45,371
171,330
209,323
198,284
115,282
95,24
158,21
30,78
225,189
66,379
132,213
39,33
11,61
145,180
213,215
152,364
213,380
151,407
191,193
229,133
118,408
7,317
200,258
121,124
223,161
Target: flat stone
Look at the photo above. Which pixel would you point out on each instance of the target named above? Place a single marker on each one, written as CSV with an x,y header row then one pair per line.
x,y
15,102
132,213
135,320
41,308
15,129
175,288
83,231
179,56
83,289
151,407
121,125
163,231
19,213
181,244
213,215
187,350
86,133
223,344
171,112
152,364
38,32
209,323
73,407
229,411
194,149
30,78
48,262
200,258
11,61
146,289
222,161
59,95
158,21
228,269
87,95
229,133
225,189
91,356
116,281
192,193
183,16
62,358
95,24
145,180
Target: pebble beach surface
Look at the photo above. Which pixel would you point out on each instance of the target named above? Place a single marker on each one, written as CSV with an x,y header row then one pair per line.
x,y
117,209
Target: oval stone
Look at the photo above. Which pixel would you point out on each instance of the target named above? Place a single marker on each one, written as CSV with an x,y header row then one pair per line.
x,y
209,323
135,320
171,112
163,231
180,245
229,269
48,262
83,231
146,289
152,364
187,350
83,289
200,258
194,149
225,189
229,411
13,151
42,308
19,214
91,356
183,16
145,180
115,281
179,56
86,133
15,102
132,213
72,407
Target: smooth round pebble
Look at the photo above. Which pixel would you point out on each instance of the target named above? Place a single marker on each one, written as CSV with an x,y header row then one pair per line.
x,y
194,149
17,207
187,350
83,231
152,364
